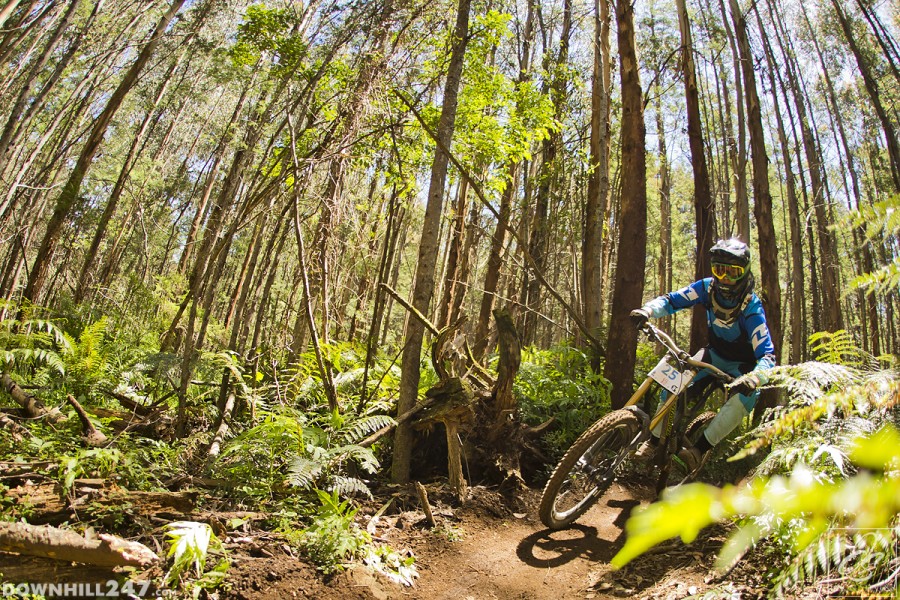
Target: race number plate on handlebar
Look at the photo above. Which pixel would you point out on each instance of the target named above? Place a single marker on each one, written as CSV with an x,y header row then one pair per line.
x,y
671,377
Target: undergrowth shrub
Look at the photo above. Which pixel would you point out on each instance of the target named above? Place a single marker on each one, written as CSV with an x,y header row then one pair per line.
x,y
560,383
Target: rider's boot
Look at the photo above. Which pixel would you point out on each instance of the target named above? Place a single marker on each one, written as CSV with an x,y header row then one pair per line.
x,y
694,456
646,450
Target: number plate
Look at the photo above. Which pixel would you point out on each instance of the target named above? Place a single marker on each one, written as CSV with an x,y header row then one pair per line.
x,y
670,377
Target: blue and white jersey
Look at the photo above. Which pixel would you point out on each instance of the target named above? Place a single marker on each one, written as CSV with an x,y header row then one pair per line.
x,y
745,339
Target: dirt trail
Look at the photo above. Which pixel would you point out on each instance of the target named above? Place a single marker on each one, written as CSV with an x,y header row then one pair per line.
x,y
516,557
487,551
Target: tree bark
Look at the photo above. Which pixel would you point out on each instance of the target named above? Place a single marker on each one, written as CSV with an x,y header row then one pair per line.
x,y
703,202
770,290
423,286
890,132
629,279
598,181
60,544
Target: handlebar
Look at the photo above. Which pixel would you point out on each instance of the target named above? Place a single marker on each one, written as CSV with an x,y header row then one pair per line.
x,y
682,356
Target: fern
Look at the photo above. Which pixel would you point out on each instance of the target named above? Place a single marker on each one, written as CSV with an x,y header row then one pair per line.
x,y
303,472
358,429
349,486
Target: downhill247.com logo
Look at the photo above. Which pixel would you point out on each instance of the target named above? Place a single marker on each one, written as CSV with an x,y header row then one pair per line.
x,y
106,589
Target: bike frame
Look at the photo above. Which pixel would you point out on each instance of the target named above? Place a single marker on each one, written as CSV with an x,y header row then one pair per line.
x,y
682,358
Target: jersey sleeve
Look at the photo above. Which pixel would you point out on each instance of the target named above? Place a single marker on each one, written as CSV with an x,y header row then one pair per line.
x,y
763,348
677,300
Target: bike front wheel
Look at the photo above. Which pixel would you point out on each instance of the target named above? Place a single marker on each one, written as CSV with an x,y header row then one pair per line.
x,y
587,469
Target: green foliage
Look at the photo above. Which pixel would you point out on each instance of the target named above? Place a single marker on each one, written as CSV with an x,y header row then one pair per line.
x,y
304,451
34,346
560,384
878,220
190,546
333,537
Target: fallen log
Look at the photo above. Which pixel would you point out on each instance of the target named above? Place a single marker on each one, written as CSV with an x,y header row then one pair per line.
x,y
48,504
60,544
34,408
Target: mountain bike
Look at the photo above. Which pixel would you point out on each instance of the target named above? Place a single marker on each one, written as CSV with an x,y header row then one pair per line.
x,y
596,458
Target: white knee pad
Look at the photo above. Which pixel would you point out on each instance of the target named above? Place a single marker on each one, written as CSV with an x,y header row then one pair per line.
x,y
729,416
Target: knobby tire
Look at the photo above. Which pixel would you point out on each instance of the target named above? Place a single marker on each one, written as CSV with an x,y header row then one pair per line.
x,y
587,469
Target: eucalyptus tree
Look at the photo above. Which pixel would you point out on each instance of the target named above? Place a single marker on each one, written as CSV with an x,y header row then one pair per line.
x,y
797,287
423,286
72,187
830,289
629,278
554,63
770,291
703,202
864,64
597,201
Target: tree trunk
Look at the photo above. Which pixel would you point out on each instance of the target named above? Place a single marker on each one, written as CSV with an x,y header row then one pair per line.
x,y
703,202
598,181
72,188
19,106
831,289
797,285
739,154
890,133
65,545
629,279
770,290
423,287
664,279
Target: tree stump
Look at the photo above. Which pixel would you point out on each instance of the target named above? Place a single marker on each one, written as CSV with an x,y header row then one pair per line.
x,y
452,406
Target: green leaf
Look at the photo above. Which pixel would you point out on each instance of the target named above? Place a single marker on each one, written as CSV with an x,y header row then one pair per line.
x,y
879,451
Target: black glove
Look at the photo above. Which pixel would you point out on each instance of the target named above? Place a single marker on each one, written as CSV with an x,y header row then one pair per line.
x,y
639,317
745,385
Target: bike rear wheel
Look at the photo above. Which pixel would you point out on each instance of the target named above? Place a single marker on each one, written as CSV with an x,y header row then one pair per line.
x,y
587,469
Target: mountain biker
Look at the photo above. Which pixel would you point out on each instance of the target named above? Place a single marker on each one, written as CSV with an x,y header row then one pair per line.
x,y
739,341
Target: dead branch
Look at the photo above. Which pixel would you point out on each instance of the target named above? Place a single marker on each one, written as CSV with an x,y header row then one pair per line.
x,y
412,309
60,544
91,435
426,507
17,432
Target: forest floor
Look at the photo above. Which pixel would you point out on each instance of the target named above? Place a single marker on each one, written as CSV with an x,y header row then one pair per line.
x,y
494,547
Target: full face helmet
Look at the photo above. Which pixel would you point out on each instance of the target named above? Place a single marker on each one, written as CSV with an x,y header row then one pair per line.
x,y
730,263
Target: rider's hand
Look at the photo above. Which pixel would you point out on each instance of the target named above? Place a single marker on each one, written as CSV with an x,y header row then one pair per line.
x,y
745,385
639,317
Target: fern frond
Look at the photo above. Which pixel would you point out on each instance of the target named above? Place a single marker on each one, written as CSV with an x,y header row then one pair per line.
x,y
349,486
360,428
364,457
303,472
859,394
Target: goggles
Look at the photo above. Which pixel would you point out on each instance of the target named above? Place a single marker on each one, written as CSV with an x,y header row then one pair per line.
x,y
722,271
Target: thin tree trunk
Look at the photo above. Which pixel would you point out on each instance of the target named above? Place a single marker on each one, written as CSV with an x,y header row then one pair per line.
x,y
423,287
798,278
703,202
19,106
72,188
890,133
770,290
598,181
742,202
